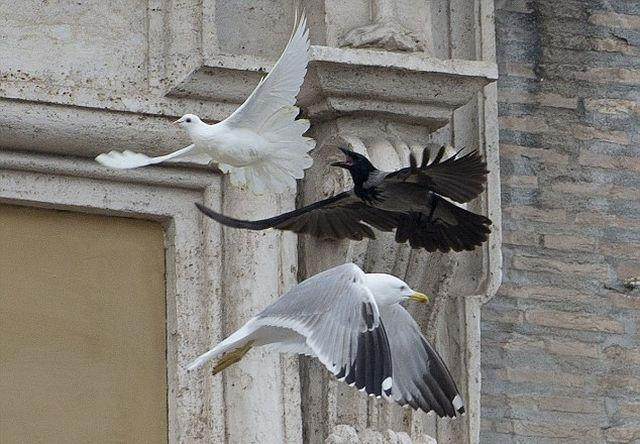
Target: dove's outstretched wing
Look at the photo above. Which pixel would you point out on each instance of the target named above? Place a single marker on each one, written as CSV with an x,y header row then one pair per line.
x,y
280,87
270,113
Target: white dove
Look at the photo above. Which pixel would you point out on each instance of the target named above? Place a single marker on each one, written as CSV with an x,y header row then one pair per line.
x,y
260,145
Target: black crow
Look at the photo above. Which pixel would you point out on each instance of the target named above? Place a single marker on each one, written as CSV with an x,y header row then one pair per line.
x,y
408,200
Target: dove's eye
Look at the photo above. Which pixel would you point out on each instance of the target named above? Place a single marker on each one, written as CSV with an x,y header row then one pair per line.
x,y
189,120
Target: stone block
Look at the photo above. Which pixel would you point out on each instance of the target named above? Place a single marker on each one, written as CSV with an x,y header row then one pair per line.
x,y
518,70
545,155
620,76
612,106
567,267
557,431
551,100
609,162
570,404
570,243
603,220
623,434
527,124
522,238
574,321
584,132
527,182
626,301
550,215
615,20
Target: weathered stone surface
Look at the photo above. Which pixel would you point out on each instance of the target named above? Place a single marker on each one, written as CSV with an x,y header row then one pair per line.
x,y
573,321
559,341
79,78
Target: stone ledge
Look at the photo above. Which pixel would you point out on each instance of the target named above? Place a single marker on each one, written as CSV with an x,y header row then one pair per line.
x,y
415,89
341,81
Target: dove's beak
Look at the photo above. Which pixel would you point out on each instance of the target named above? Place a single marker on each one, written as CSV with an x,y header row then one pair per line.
x,y
177,122
419,297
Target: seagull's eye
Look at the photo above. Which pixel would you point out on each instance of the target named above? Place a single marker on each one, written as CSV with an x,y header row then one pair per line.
x,y
188,120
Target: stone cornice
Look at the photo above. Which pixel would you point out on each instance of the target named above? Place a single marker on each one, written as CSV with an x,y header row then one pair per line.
x,y
82,121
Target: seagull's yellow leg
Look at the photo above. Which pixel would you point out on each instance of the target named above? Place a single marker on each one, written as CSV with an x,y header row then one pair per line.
x,y
232,357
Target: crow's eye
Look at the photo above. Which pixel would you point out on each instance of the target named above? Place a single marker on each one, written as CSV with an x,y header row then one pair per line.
x,y
189,120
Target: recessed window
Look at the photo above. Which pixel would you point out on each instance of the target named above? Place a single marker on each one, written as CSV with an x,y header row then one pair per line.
x,y
82,328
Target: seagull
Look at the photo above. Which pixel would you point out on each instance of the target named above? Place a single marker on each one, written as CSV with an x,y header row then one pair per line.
x,y
354,324
260,145
410,200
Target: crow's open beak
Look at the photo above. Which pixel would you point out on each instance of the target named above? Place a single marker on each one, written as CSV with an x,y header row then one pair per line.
x,y
348,162
419,297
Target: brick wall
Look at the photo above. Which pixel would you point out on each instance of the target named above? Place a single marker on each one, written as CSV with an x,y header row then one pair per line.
x,y
561,340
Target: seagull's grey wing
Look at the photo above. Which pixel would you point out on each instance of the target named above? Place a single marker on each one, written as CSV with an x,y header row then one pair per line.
x,y
343,216
280,87
339,318
420,377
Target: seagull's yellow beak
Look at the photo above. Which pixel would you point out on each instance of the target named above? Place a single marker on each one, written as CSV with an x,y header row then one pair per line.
x,y
419,297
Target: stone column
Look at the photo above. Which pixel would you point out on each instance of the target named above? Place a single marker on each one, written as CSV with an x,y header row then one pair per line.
x,y
386,104
257,268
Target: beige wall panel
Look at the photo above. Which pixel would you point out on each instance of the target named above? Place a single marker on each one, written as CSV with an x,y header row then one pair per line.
x,y
82,328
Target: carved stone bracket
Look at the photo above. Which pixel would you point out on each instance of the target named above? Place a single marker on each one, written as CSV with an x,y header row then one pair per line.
x,y
346,434
450,278
386,32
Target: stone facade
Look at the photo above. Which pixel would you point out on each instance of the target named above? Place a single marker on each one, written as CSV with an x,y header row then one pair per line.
x,y
560,341
386,77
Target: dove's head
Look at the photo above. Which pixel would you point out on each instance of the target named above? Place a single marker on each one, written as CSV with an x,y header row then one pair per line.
x,y
188,121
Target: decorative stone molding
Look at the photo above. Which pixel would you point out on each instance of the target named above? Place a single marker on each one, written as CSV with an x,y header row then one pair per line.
x,y
205,57
385,32
211,288
346,434
456,280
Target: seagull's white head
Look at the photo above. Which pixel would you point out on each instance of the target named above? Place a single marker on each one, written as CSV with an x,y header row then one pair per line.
x,y
388,289
188,121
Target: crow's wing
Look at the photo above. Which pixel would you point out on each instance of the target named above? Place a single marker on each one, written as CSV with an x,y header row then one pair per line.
x,y
458,178
343,216
444,227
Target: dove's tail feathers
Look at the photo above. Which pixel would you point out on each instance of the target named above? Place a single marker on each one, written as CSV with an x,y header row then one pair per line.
x,y
234,343
125,160
269,175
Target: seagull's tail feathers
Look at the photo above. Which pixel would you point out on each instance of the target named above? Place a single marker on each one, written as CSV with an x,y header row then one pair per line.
x,y
228,351
125,160
287,155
